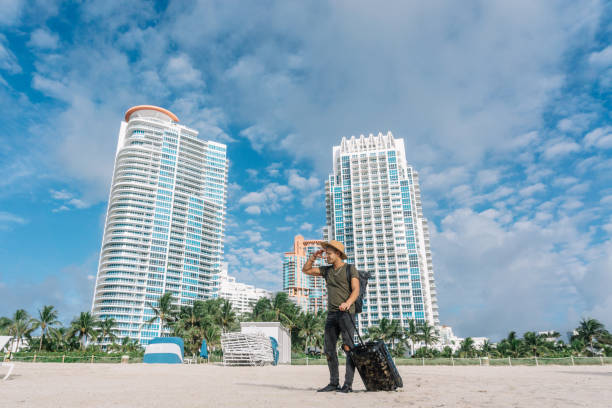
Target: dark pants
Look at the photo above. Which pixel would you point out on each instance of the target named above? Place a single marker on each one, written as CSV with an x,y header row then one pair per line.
x,y
339,323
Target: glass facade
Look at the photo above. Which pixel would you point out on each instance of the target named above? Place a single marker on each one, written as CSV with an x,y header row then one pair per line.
x,y
165,221
308,292
373,206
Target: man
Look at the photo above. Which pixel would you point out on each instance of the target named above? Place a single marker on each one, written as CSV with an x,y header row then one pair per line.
x,y
340,302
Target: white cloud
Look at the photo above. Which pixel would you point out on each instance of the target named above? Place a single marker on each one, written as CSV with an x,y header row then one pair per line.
x,y
487,177
444,180
8,61
8,220
456,116
61,195
576,123
559,148
256,266
180,72
43,39
488,273
602,58
60,209
253,210
259,136
68,199
532,189
306,226
267,200
565,181
11,11
301,183
600,137
606,200
274,169
257,238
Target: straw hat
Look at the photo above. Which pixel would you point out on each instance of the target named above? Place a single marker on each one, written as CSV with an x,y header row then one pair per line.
x,y
336,245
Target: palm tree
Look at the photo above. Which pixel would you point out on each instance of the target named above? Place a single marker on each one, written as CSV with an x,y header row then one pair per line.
x,y
284,310
108,328
467,347
511,346
212,336
5,322
576,346
226,316
534,342
428,335
84,327
279,309
486,348
411,333
21,326
310,328
58,339
47,318
165,311
590,330
389,331
127,345
262,306
191,316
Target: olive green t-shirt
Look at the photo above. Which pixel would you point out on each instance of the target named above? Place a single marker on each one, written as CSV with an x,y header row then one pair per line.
x,y
338,289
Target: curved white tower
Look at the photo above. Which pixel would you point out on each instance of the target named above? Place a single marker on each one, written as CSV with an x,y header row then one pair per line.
x,y
165,220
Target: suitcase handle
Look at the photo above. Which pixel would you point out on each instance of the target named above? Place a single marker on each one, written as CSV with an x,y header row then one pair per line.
x,y
355,326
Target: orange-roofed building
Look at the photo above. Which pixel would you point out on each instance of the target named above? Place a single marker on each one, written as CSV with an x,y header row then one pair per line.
x,y
308,292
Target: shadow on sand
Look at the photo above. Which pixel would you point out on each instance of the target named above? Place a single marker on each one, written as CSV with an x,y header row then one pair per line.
x,y
284,387
608,374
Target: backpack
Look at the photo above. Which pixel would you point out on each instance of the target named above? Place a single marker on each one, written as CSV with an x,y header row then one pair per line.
x,y
363,283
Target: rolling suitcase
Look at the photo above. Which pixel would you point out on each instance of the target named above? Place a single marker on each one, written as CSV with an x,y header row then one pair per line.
x,y
375,365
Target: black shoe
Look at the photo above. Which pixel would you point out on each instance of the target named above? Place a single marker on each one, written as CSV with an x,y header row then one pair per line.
x,y
329,388
346,389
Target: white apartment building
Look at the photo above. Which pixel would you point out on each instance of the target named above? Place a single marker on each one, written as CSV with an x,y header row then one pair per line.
x,y
165,220
373,203
242,296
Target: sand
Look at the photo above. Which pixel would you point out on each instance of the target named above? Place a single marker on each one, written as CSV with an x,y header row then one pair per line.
x,y
140,385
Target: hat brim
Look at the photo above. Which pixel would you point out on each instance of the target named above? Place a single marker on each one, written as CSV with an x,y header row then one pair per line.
x,y
327,244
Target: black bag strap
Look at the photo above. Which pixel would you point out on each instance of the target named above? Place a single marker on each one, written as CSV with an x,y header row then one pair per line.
x,y
355,326
348,275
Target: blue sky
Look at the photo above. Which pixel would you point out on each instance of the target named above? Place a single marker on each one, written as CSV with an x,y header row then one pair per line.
x,y
505,108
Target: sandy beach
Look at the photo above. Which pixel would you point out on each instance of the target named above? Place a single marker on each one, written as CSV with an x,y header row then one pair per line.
x,y
139,385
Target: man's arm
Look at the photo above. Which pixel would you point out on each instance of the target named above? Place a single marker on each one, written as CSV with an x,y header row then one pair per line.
x,y
354,295
308,269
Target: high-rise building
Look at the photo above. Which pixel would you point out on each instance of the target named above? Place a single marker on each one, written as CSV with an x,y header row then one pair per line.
x,y
374,207
165,221
242,296
308,292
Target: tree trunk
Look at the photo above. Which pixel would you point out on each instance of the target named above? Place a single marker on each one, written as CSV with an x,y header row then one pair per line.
x,y
42,333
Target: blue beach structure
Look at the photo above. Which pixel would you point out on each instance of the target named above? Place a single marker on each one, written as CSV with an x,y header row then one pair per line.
x,y
164,350
204,350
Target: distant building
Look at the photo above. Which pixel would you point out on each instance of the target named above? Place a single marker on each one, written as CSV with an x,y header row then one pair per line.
x,y
242,296
308,292
448,339
549,335
479,341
